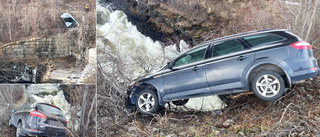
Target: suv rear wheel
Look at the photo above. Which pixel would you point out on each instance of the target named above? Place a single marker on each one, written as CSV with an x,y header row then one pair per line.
x,y
18,132
147,102
180,102
10,124
268,85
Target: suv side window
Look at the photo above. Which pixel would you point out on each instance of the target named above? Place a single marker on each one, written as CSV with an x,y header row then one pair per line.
x,y
226,47
191,56
263,39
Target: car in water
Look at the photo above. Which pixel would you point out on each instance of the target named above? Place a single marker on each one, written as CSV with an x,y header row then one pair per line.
x,y
267,62
39,119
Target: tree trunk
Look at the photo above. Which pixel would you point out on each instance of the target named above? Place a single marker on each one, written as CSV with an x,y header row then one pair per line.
x,y
312,19
83,110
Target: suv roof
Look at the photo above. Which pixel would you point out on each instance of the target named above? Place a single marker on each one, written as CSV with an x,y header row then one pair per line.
x,y
38,103
241,34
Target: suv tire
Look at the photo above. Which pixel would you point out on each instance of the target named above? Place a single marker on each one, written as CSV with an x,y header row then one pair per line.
x,y
147,102
268,85
180,102
19,129
10,124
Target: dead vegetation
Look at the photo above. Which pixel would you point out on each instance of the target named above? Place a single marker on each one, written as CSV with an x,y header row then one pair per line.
x,y
25,19
83,101
201,20
295,114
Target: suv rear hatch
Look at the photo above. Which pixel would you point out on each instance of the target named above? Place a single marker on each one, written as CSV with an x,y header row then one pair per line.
x,y
55,118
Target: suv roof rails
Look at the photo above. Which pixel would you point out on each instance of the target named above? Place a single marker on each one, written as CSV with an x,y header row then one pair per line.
x,y
239,34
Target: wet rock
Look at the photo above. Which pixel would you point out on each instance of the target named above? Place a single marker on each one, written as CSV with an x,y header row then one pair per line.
x,y
228,123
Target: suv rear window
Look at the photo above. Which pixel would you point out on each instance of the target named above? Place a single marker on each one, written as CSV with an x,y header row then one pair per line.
x,y
50,109
226,47
263,39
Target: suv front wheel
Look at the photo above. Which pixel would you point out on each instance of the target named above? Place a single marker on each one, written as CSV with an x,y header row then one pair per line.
x,y
268,85
147,102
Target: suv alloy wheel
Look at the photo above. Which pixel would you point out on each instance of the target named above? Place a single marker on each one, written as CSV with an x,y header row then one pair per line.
x,y
18,132
147,102
268,85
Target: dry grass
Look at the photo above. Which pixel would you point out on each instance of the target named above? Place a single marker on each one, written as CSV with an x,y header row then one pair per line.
x,y
24,19
295,114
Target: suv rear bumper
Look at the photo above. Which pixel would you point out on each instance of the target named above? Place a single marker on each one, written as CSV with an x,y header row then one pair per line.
x,y
304,74
54,133
42,129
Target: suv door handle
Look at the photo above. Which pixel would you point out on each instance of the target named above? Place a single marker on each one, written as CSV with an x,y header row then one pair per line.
x,y
242,58
195,68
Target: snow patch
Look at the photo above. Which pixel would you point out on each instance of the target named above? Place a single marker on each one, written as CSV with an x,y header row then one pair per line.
x,y
90,68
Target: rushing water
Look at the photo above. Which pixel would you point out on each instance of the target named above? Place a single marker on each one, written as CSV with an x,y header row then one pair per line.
x,y
126,43
139,54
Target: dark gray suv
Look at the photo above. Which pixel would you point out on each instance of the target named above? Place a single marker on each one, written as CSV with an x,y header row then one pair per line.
x,y
39,119
265,61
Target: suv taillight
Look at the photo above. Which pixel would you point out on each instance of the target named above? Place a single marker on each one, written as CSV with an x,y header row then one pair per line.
x,y
301,45
37,114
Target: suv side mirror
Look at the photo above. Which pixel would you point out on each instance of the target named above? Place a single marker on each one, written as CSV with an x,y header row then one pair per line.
x,y
12,110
